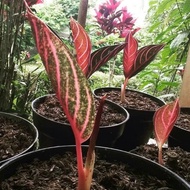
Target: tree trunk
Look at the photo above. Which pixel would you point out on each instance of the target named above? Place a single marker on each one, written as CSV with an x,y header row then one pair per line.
x,y
82,14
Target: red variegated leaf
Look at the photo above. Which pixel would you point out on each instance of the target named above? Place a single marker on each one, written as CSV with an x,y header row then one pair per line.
x,y
68,80
144,56
82,45
164,120
102,56
129,54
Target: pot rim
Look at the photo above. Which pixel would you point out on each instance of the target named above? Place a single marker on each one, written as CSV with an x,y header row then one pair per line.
x,y
156,99
131,157
127,116
34,130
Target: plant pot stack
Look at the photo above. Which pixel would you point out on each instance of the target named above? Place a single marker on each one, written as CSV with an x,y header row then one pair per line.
x,y
139,127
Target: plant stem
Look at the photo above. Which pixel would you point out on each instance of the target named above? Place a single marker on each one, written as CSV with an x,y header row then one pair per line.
x,y
123,88
90,159
160,160
81,173
82,13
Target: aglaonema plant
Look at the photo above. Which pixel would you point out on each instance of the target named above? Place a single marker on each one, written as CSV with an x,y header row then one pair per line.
x,y
73,92
164,120
135,60
112,20
90,62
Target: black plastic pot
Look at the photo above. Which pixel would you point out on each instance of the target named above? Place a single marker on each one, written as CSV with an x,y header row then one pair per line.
x,y
30,127
53,133
180,136
108,154
139,127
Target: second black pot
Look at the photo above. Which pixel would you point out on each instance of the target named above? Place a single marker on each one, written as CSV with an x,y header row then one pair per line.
x,y
180,136
139,127
22,123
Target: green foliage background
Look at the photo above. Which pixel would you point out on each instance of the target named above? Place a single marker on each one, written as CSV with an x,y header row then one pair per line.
x,y
167,21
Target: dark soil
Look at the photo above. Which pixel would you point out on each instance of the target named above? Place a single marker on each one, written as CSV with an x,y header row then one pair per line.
x,y
60,172
184,120
134,100
175,158
51,109
14,138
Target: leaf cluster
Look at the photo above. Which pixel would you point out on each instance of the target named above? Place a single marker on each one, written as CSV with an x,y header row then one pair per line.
x,y
168,22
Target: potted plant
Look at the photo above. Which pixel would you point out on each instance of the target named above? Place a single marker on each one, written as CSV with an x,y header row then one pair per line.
x,y
60,63
180,134
18,136
174,158
52,123
89,63
139,105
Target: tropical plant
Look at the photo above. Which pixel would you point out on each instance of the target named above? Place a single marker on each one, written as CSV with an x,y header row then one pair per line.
x,y
167,22
164,120
73,92
113,19
135,60
11,47
112,22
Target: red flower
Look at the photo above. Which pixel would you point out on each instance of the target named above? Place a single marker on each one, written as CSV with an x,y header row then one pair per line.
x,y
112,20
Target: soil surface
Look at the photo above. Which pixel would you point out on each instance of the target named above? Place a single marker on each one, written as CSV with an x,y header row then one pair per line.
x,y
60,172
184,120
14,138
175,158
133,100
52,109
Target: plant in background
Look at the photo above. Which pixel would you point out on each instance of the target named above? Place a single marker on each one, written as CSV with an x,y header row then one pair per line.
x,y
112,19
115,22
164,120
135,60
11,46
167,22
57,15
91,62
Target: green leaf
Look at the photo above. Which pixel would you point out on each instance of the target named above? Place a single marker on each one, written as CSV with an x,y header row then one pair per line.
x,y
186,6
164,5
179,40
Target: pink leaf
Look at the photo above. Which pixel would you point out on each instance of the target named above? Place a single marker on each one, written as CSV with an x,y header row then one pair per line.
x,y
129,55
70,84
82,45
164,120
144,56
